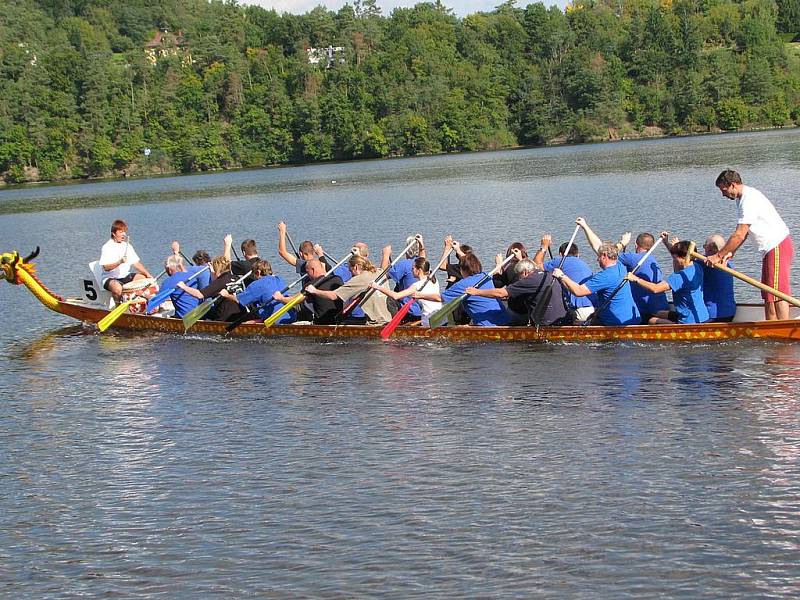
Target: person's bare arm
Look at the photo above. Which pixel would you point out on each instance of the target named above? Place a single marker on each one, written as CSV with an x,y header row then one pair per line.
x,y
422,252
330,295
190,290
538,258
655,288
591,236
574,288
386,257
289,257
227,244
499,293
732,245
142,269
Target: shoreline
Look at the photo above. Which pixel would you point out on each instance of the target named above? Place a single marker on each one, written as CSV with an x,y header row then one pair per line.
x,y
160,173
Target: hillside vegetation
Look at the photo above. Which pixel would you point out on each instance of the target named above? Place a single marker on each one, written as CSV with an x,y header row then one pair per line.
x,y
92,88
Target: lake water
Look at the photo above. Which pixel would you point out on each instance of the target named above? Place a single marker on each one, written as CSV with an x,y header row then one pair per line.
x,y
164,466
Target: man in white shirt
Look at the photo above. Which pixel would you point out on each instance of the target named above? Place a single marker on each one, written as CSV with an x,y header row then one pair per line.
x,y
759,219
117,257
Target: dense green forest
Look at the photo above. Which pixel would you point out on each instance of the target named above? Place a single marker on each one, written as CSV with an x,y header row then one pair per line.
x,y
92,88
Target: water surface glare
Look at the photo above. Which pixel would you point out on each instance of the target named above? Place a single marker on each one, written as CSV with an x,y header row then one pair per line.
x,y
166,466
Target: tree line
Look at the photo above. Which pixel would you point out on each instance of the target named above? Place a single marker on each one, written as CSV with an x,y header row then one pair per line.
x,y
92,88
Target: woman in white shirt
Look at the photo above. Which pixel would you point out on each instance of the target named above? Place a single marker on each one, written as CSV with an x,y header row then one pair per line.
x,y
427,284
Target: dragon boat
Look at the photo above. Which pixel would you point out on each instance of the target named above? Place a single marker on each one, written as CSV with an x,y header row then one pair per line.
x,y
22,271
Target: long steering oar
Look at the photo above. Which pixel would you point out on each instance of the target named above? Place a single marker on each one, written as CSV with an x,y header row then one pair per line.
x,y
622,283
364,296
197,313
162,296
247,315
441,315
754,282
297,298
389,328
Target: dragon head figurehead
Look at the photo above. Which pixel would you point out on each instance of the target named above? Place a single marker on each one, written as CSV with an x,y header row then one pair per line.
x,y
10,262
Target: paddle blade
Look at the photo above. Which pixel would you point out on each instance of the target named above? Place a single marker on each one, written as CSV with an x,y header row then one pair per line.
x,y
389,328
440,316
158,300
115,314
197,313
542,303
273,318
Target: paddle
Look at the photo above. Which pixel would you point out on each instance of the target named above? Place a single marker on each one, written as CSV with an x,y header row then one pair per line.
x,y
605,304
569,245
441,315
115,314
162,296
247,315
197,313
291,243
366,295
389,328
297,298
754,282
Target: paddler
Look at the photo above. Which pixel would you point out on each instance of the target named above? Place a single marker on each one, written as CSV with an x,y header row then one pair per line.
x,y
686,283
622,309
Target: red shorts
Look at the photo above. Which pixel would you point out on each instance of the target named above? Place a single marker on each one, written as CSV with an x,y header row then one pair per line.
x,y
775,269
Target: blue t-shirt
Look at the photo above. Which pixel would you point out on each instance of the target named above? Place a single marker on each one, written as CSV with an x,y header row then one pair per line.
x,y
260,293
402,275
718,292
482,311
687,294
647,302
202,280
622,310
182,301
579,272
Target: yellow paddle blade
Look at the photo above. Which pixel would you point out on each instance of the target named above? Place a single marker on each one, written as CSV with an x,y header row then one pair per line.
x,y
197,313
273,318
115,314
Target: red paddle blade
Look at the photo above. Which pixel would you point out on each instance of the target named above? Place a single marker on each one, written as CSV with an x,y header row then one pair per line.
x,y
389,328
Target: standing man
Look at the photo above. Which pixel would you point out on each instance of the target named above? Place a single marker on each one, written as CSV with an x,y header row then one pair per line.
x,y
757,216
116,258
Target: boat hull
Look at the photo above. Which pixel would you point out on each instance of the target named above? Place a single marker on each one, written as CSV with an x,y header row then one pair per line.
x,y
708,332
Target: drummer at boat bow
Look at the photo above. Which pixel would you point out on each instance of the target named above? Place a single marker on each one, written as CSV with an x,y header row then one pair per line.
x,y
117,257
621,309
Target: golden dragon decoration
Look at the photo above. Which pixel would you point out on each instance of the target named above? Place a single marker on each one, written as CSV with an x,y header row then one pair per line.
x,y
17,270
